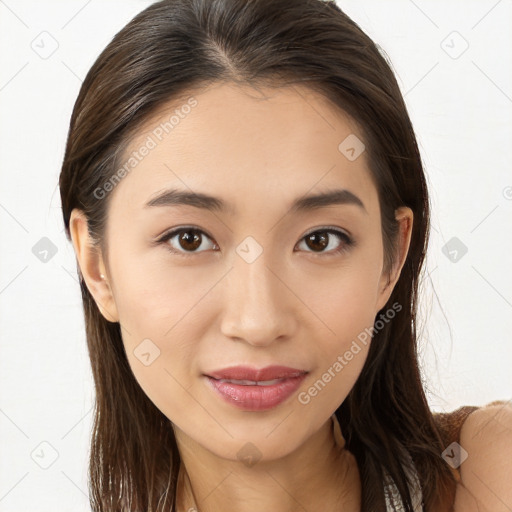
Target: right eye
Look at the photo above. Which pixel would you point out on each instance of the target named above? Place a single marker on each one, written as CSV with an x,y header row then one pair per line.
x,y
184,241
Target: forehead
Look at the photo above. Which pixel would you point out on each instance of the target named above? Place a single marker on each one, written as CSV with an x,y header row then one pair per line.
x,y
246,146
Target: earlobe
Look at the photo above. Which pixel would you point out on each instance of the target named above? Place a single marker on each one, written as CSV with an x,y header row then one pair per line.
x,y
405,218
91,266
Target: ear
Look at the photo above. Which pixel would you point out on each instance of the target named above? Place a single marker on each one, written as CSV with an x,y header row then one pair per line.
x,y
405,218
92,266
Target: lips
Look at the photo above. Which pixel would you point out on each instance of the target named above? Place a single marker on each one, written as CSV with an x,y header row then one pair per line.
x,y
245,375
253,389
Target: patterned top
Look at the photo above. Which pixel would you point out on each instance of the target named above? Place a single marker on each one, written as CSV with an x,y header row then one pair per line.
x,y
393,501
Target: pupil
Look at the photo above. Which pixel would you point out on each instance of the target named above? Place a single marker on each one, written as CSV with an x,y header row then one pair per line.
x,y
190,239
324,243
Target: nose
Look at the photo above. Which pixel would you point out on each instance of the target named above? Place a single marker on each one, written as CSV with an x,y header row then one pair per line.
x,y
258,306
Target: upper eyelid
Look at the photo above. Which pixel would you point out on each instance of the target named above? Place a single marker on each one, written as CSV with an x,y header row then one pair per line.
x,y
174,231
328,228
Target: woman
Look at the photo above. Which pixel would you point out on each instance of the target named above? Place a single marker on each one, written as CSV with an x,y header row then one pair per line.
x,y
245,195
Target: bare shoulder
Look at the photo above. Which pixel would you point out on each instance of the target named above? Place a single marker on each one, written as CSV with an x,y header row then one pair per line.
x,y
486,460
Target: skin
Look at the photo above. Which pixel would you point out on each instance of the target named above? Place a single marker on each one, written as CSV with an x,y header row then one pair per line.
x,y
212,309
486,436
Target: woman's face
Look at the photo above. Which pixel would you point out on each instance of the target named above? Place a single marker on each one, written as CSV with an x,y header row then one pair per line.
x,y
249,287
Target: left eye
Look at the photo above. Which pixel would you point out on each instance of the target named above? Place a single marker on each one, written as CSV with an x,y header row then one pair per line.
x,y
321,237
189,240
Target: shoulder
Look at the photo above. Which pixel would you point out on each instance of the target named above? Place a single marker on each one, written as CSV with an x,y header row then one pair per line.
x,y
485,460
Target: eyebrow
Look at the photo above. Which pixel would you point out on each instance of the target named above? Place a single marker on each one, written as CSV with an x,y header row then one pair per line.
x,y
174,197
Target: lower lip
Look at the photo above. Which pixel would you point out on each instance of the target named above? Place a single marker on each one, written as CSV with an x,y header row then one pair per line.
x,y
256,398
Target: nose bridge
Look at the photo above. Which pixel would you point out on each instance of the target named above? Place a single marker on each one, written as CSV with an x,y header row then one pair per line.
x,y
255,306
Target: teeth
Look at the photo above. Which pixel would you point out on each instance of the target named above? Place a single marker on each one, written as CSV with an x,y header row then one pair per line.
x,y
252,382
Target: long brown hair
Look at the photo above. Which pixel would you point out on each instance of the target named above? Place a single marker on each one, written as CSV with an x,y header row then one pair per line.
x,y
177,46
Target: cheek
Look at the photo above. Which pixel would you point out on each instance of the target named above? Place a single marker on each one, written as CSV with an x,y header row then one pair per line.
x,y
161,347
168,317
344,304
342,298
152,295
160,315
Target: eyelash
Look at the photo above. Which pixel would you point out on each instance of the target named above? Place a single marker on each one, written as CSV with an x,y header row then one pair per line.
x,y
348,242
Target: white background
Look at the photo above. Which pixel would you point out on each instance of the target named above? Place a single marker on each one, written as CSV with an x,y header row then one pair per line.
x,y
461,108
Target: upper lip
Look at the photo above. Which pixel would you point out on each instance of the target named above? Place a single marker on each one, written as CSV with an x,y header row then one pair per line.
x,y
256,375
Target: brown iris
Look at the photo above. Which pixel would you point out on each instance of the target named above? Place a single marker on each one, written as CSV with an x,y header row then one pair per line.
x,y
320,237
190,239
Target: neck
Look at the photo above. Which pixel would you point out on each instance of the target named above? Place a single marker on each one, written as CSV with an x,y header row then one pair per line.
x,y
319,471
